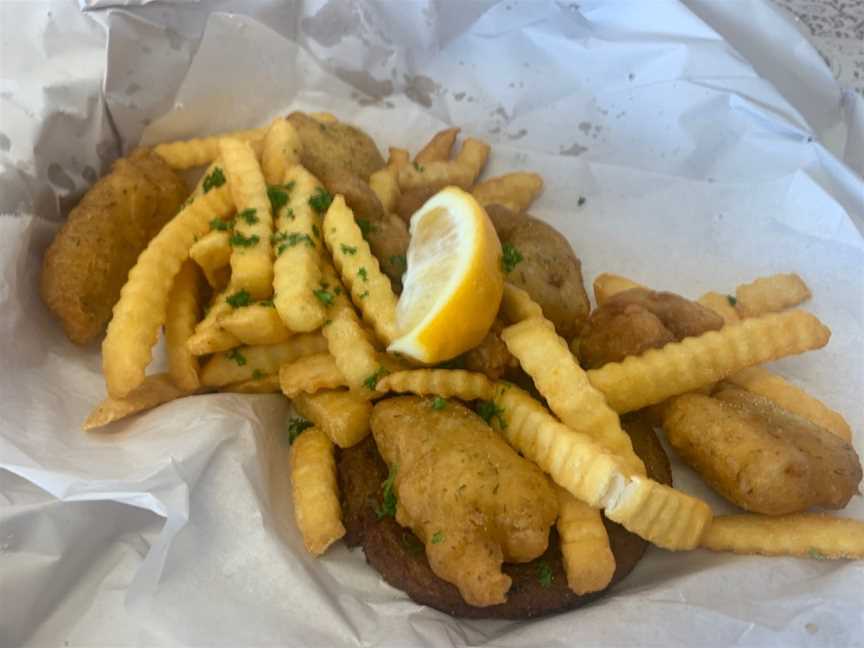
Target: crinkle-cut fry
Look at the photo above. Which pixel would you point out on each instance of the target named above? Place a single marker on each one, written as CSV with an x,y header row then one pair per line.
x,y
808,535
370,289
679,367
720,304
770,294
260,361
438,148
341,415
211,178
597,477
266,385
517,304
758,380
448,383
515,191
282,149
210,336
297,244
212,252
256,324
588,559
545,357
606,285
385,184
185,154
252,252
315,491
398,158
184,307
141,309
310,374
154,391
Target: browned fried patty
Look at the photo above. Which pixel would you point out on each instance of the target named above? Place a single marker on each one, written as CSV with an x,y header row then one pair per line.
x,y
87,263
400,557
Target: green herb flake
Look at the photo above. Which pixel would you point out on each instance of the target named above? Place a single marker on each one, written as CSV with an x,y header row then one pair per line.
x,y
399,262
363,274
731,299
296,426
238,240
220,225
372,381
437,537
216,178
388,495
487,410
324,296
510,258
581,201
366,228
364,294
315,231
544,574
418,167
268,303
321,200
348,249
257,374
278,198
285,240
239,299
815,554
249,215
439,403
236,356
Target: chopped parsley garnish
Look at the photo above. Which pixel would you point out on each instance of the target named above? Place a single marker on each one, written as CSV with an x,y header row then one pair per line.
x,y
544,574
487,410
510,258
321,200
238,240
365,226
285,240
296,426
315,231
437,537
249,215
239,299
815,554
215,179
236,356
257,374
388,500
439,403
363,274
731,299
399,262
581,201
348,249
372,381
221,225
418,167
364,294
267,302
324,296
278,198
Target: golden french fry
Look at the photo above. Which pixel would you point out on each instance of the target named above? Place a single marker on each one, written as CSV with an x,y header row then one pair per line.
x,y
184,307
154,391
792,399
315,491
141,310
256,324
341,415
808,535
465,385
517,304
310,374
251,251
435,174
606,285
515,191
297,245
185,154
254,362
589,472
588,559
720,304
770,294
683,366
370,288
210,336
212,253
473,156
385,184
398,158
213,177
267,385
323,117
438,148
564,384
282,150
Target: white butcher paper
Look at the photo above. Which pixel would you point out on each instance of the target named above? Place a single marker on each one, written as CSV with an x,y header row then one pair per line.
x,y
711,146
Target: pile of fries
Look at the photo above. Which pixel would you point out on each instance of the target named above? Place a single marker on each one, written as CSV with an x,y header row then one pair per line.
x,y
300,306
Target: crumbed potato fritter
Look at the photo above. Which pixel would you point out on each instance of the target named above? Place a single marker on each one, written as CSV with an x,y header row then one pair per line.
x,y
468,496
491,356
87,263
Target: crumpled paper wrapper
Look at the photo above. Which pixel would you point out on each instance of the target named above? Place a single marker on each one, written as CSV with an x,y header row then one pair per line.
x,y
698,174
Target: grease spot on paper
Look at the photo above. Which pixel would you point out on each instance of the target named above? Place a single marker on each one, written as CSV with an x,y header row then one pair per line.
x,y
421,89
5,142
574,149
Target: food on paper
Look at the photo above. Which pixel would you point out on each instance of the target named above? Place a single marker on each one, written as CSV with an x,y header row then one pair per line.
x,y
770,294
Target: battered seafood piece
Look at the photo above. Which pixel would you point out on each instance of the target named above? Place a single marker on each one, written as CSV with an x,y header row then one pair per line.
x,y
87,263
504,220
471,500
491,356
759,456
551,273
639,319
335,145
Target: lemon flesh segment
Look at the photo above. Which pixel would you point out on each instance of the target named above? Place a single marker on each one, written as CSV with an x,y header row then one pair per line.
x,y
454,283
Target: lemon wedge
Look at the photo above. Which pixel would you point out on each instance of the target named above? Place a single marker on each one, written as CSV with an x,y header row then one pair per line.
x,y
454,282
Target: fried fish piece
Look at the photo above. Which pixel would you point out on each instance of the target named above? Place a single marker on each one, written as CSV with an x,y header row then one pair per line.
x,y
471,500
334,146
87,262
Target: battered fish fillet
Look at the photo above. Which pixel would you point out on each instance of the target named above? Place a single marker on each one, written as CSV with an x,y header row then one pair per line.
x,y
472,501
759,456
87,263
638,319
